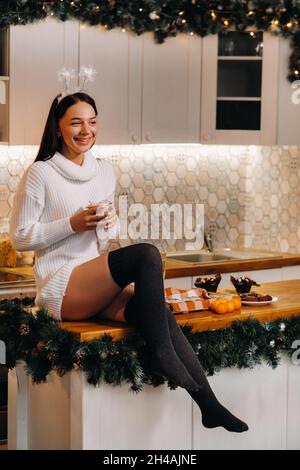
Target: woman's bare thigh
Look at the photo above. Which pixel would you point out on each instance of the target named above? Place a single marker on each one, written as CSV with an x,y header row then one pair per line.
x,y
90,289
115,310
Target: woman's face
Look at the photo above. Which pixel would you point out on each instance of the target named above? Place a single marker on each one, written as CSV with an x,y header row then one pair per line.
x,y
78,127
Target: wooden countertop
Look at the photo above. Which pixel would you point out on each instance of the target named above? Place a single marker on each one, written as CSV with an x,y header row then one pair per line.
x,y
182,269
279,260
288,305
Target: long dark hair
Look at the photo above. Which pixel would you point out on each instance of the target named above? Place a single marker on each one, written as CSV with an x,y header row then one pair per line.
x,y
51,142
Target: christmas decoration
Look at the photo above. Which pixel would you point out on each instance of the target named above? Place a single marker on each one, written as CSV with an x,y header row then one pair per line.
x,y
37,340
169,18
73,83
282,326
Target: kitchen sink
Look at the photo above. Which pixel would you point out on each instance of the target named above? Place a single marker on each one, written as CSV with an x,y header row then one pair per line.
x,y
200,257
220,255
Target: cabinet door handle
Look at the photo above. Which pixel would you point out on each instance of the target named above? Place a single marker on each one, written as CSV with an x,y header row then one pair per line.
x,y
148,138
134,138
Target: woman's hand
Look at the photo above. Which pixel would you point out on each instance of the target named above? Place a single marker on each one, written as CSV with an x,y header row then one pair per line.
x,y
110,220
86,219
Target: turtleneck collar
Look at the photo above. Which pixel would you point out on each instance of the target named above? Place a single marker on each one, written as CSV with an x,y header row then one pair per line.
x,y
72,170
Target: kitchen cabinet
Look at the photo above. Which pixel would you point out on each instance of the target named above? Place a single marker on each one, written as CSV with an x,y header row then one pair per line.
x,y
3,403
117,88
188,89
288,111
4,85
262,275
37,52
239,88
179,282
80,412
146,93
171,89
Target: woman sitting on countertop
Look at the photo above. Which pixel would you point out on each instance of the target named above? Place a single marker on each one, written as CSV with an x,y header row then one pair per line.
x,y
52,216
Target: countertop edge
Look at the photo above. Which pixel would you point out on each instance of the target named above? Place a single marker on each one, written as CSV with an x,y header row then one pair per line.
x,y
180,269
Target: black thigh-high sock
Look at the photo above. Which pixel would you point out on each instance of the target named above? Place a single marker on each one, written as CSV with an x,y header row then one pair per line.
x,y
142,264
213,413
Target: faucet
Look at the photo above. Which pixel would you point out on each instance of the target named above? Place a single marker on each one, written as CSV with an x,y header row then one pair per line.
x,y
208,241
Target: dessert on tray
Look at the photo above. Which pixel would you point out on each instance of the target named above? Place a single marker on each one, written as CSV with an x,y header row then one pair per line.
x,y
255,297
243,284
210,283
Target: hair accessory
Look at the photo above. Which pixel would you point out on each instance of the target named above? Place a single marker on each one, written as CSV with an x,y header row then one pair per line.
x,y
72,82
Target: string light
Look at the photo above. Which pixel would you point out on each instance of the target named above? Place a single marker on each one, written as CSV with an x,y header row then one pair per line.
x,y
181,13
250,13
140,9
252,34
153,15
296,72
274,25
226,23
191,33
183,21
123,30
289,24
213,15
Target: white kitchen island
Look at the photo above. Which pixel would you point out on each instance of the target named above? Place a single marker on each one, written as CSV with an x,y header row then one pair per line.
x,y
68,413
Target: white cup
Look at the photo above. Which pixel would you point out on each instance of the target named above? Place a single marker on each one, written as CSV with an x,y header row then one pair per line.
x,y
104,208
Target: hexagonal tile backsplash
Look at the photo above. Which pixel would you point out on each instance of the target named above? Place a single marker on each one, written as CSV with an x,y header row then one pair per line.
x,y
251,194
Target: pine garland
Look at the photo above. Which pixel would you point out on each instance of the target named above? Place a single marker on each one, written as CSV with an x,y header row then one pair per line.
x,y
44,347
169,17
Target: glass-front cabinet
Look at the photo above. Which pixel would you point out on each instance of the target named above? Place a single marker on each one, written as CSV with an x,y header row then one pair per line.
x,y
239,81
239,88
4,85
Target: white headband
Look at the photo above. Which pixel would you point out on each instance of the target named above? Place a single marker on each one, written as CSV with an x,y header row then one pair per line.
x,y
72,82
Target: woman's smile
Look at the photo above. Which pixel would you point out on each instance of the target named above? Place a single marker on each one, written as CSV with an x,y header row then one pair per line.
x,y
82,140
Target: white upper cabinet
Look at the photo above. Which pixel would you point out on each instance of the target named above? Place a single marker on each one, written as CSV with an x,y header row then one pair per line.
x,y
171,89
222,89
288,111
145,92
239,88
116,57
37,52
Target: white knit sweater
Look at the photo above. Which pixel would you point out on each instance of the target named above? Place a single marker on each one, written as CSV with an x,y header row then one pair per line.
x,y
50,192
